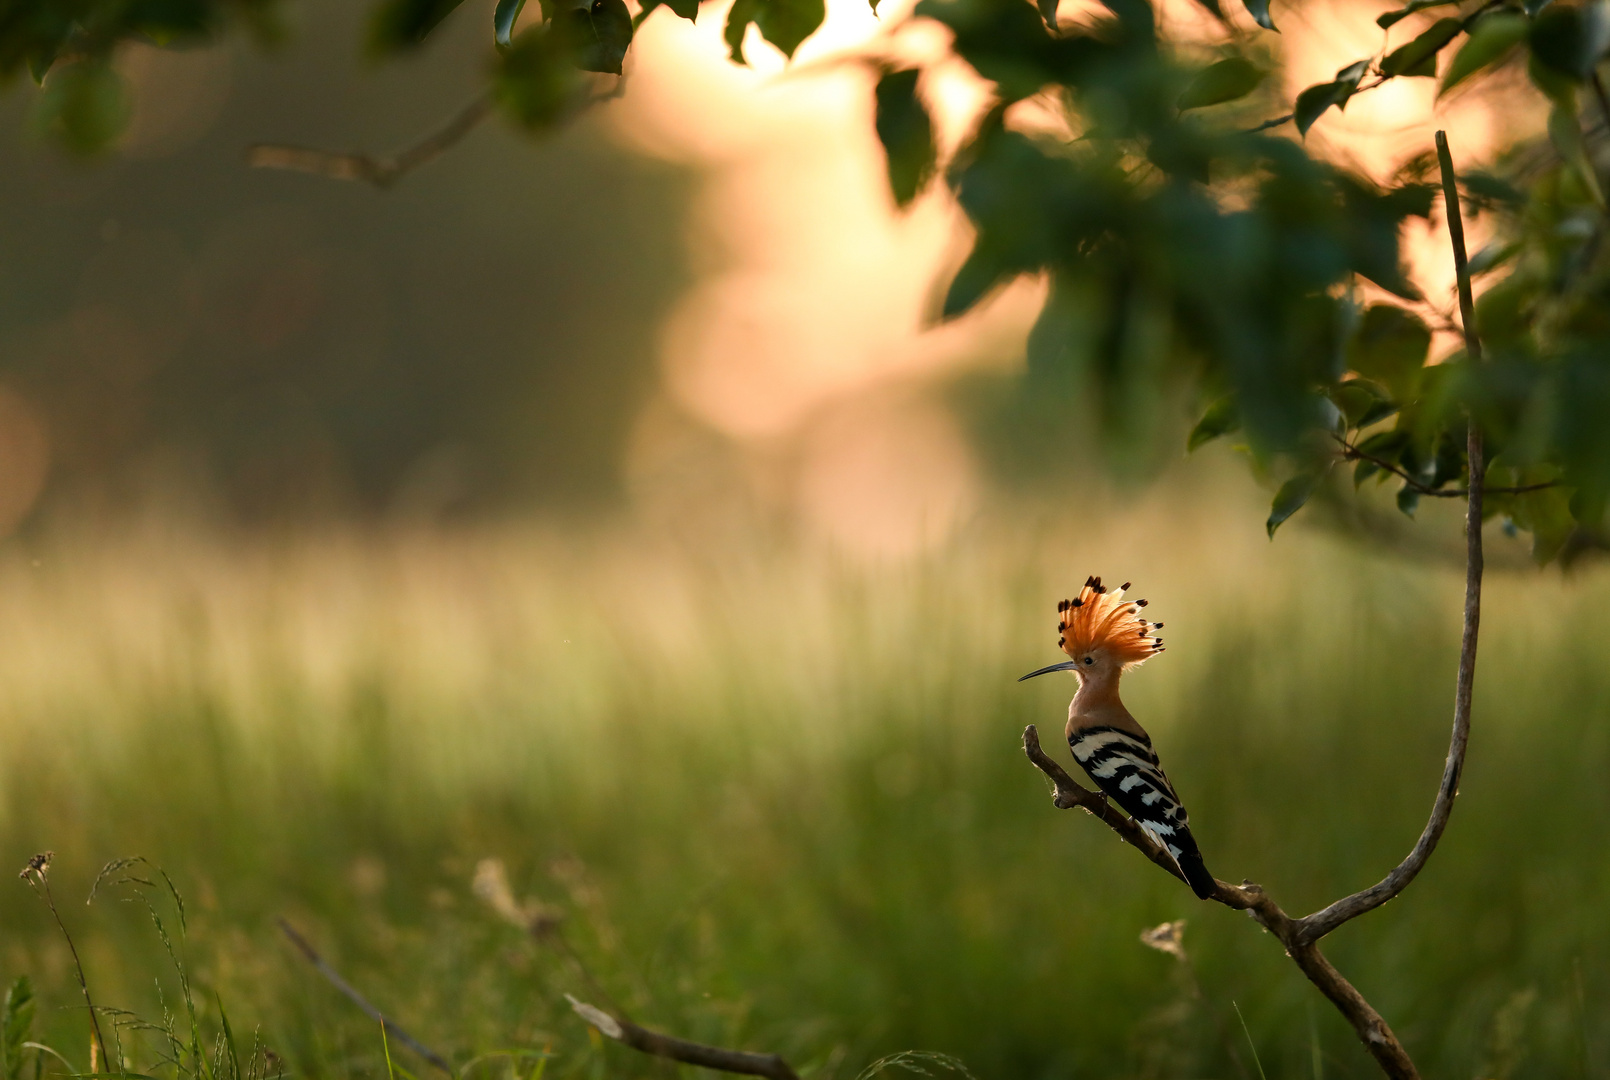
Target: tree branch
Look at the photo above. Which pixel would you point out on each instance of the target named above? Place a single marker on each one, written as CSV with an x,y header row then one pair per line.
x,y
1317,925
1372,1030
1353,453
382,172
656,1044
1069,793
1301,936
334,978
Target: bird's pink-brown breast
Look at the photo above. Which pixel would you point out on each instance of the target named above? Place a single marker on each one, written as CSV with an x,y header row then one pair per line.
x,y
1102,618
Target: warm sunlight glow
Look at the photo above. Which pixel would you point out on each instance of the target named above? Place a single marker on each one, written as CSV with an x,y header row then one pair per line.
x,y
813,290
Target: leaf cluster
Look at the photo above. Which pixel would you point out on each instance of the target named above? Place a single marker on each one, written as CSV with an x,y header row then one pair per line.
x,y
67,47
1184,246
1185,243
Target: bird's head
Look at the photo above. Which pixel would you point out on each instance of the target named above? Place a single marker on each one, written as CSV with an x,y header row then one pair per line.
x,y
1104,634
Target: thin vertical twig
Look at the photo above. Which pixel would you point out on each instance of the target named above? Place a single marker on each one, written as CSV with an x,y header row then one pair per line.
x,y
1317,925
1301,936
1456,236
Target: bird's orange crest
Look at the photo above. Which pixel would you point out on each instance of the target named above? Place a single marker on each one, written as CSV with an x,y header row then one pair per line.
x,y
1102,618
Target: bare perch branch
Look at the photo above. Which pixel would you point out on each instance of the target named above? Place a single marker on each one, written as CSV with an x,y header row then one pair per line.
x,y
382,172
1068,793
1368,1024
334,978
1372,1030
1317,925
656,1044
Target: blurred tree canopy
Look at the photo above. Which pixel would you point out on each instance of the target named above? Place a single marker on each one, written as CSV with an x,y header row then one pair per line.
x,y
268,348
1189,237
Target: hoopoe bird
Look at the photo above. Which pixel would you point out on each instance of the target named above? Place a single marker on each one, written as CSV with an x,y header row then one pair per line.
x,y
1107,635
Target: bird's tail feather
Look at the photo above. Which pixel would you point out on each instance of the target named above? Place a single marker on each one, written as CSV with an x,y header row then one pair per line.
x,y
1196,873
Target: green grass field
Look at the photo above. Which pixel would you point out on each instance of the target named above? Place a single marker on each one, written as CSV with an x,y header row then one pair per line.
x,y
779,802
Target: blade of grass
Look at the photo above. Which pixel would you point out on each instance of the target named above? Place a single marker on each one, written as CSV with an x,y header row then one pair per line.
x,y
1255,1059
1581,1001
1315,1054
385,1044
229,1039
43,1049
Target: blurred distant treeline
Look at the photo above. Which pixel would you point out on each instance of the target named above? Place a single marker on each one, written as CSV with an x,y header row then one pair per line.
x,y
480,337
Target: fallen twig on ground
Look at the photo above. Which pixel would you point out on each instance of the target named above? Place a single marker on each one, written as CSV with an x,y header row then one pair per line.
x,y
333,977
691,1053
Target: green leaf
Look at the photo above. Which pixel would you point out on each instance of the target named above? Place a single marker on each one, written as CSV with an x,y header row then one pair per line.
x,y
1571,40
1221,418
599,33
784,23
1008,43
907,134
739,16
1362,402
1490,39
1492,256
1545,513
1226,80
1419,57
1493,190
1292,495
1449,459
1386,445
787,23
686,9
1390,346
1313,102
16,1020
1048,10
1549,519
1364,470
1565,132
84,107
1259,10
976,279
400,25
503,20
1408,500
1392,18
40,61
535,81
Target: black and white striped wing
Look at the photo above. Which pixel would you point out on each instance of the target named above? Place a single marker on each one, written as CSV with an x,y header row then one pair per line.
x,y
1126,768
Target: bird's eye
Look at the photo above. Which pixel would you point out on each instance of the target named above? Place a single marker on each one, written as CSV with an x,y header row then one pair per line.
x,y
1090,660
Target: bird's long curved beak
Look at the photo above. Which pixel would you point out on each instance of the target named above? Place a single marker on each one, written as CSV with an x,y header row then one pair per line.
x,y
1066,665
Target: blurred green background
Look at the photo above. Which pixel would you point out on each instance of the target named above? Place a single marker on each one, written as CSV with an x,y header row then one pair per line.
x,y
480,336
777,799
325,584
